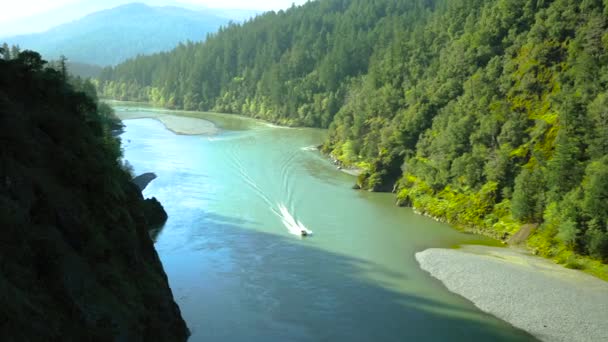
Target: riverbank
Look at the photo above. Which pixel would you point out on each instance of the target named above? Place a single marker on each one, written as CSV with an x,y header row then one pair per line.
x,y
191,123
350,169
254,270
468,211
187,123
175,123
549,301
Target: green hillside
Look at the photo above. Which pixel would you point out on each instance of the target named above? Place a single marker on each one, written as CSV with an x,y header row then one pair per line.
x,y
76,260
488,114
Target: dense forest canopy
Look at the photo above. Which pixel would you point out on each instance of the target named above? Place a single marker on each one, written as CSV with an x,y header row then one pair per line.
x,y
76,260
486,113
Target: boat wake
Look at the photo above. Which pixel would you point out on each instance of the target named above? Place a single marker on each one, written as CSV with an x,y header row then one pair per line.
x,y
294,226
268,124
309,148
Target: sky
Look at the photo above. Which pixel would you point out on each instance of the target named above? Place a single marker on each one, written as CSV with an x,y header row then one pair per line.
x,y
20,16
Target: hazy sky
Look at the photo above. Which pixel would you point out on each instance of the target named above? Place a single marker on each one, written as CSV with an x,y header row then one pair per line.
x,y
16,9
27,16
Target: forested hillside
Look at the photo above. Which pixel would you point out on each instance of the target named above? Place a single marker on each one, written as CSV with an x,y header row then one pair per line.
x,y
76,260
489,114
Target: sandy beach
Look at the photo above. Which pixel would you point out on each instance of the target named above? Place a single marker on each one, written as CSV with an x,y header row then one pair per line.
x,y
175,123
551,302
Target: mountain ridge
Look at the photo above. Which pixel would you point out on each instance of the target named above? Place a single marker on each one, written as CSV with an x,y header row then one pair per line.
x,y
113,35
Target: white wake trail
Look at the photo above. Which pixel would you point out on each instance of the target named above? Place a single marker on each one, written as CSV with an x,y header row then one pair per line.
x,y
309,148
293,226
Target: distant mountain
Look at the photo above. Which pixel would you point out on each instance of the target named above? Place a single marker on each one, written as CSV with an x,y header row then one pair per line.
x,y
111,36
40,21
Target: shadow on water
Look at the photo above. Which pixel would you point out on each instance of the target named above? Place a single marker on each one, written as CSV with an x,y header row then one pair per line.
x,y
235,283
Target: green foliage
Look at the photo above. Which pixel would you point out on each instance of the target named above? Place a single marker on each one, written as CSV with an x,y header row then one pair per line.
x,y
75,244
290,67
597,242
595,187
489,114
528,195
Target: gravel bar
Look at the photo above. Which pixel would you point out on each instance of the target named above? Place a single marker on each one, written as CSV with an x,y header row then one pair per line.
x,y
549,301
178,124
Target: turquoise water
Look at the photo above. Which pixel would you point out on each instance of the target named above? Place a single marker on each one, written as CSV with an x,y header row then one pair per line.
x,y
239,269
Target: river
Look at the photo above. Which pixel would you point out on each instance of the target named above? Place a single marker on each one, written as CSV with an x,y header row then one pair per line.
x,y
239,269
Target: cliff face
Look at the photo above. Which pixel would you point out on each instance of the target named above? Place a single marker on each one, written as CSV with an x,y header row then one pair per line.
x,y
76,261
